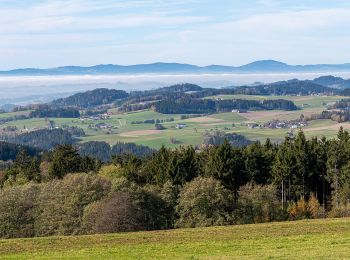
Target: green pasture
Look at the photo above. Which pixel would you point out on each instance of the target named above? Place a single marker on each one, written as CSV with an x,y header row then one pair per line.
x,y
307,239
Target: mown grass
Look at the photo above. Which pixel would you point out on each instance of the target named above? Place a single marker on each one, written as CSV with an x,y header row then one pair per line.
x,y
308,239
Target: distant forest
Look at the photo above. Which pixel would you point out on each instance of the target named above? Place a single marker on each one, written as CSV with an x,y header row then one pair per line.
x,y
91,98
46,111
207,106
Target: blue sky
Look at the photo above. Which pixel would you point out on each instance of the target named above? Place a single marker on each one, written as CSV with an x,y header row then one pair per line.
x,y
229,32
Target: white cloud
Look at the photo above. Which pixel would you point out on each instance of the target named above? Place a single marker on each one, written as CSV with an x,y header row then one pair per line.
x,y
88,32
66,16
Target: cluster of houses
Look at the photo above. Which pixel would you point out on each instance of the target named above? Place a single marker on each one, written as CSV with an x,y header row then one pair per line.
x,y
282,124
104,116
101,126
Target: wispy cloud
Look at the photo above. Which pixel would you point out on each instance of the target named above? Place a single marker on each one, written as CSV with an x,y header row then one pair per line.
x,y
58,32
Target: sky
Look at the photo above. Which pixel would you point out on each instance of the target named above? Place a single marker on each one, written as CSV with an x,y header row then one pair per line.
x,y
48,33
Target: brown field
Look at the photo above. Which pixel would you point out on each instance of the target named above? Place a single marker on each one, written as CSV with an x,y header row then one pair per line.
x,y
204,119
332,127
303,99
140,133
256,115
216,124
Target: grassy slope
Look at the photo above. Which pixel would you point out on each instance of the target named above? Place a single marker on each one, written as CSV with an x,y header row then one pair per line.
x,y
314,239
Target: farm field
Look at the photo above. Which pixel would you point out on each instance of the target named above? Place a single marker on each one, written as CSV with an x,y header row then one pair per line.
x,y
126,127
307,239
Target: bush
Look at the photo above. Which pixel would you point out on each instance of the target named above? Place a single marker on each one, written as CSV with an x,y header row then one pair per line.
x,y
18,211
111,171
129,209
204,202
341,211
306,209
62,203
116,213
258,203
298,210
314,208
155,211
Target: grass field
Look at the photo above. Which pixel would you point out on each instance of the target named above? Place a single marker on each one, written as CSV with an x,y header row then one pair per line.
x,y
312,239
124,131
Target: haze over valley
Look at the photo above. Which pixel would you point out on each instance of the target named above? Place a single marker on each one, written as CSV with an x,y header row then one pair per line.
x,y
38,86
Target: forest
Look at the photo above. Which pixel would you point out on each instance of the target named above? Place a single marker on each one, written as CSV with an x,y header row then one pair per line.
x,y
207,106
46,111
90,98
44,139
61,192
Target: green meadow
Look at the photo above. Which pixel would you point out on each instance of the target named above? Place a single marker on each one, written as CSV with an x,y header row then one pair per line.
x,y
306,239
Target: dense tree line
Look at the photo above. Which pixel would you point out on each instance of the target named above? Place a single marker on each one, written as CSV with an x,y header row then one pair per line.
x,y
13,118
334,115
345,92
45,111
91,98
154,121
219,137
9,151
342,104
104,152
63,193
207,106
290,87
74,130
44,139
174,90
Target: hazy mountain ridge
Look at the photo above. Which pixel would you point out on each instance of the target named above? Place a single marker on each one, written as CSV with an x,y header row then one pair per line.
x,y
263,66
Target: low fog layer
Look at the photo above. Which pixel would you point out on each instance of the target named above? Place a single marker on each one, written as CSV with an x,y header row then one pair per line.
x,y
33,89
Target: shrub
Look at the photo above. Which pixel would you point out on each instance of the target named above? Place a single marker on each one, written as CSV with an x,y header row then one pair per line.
x,y
306,209
258,203
341,211
130,209
314,208
204,202
155,211
298,210
111,171
18,211
116,213
62,203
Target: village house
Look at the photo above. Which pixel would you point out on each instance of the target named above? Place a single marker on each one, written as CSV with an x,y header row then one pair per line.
x,y
180,126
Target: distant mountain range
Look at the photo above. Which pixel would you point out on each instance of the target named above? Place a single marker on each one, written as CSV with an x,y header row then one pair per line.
x,y
264,66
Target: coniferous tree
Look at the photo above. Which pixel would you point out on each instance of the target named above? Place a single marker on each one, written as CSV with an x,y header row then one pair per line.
x,y
65,159
227,165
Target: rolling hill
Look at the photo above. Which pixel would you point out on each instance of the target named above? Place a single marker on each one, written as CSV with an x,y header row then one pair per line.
x,y
262,66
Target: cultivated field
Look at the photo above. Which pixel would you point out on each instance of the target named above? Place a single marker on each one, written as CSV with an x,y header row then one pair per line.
x,y
123,130
309,239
